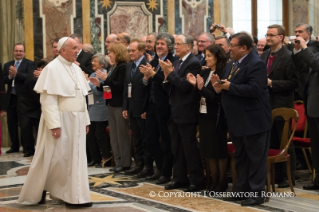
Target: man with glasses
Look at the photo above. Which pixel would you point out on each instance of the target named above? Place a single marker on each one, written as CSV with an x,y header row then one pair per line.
x,y
282,81
204,40
184,103
15,73
245,100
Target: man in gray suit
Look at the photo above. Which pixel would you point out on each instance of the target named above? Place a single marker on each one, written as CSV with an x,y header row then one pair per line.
x,y
311,100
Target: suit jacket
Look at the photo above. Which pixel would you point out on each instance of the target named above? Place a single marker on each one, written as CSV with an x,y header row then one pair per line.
x,y
284,79
25,68
98,110
246,103
184,98
116,83
29,100
134,105
85,60
155,83
3,97
302,67
203,62
212,98
311,94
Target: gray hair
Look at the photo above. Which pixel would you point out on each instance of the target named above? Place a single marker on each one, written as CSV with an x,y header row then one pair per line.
x,y
232,32
307,26
75,35
209,36
103,60
89,48
153,33
221,37
187,39
169,39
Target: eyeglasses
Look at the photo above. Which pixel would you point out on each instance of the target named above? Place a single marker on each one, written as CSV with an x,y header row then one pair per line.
x,y
202,41
233,45
270,35
179,44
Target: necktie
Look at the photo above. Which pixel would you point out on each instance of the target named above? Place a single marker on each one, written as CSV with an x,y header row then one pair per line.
x,y
201,58
17,65
133,70
234,68
178,65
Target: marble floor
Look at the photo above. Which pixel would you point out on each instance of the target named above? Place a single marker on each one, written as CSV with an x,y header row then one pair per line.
x,y
119,193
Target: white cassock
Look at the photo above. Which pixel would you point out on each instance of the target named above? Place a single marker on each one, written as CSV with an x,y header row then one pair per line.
x,y
59,166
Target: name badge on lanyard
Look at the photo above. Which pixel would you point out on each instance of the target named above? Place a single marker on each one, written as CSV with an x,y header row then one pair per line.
x,y
129,90
90,98
202,106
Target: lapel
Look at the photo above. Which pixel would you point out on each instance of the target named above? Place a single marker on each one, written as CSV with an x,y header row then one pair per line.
x,y
79,56
184,65
22,64
137,71
205,74
242,65
276,60
228,68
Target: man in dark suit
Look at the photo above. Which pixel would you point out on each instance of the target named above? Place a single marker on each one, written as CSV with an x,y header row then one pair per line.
x,y
245,100
304,31
84,59
29,109
204,40
282,81
14,73
156,107
133,101
184,101
311,100
3,100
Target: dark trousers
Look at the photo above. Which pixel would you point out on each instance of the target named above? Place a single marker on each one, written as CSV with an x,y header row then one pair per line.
x,y
26,125
142,155
98,142
12,119
275,140
313,127
187,158
251,161
158,142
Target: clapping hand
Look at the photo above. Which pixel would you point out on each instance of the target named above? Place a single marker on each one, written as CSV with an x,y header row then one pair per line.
x,y
200,82
95,81
147,70
101,75
191,79
166,66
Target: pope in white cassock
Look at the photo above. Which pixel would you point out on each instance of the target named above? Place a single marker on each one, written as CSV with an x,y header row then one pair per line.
x,y
59,165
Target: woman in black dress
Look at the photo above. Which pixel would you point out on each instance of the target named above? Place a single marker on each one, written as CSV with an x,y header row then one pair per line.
x,y
213,142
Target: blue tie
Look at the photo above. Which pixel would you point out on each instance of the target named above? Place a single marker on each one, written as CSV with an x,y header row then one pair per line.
x,y
133,70
17,65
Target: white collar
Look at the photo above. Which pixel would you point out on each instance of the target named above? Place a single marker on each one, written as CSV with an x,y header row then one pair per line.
x,y
64,61
185,57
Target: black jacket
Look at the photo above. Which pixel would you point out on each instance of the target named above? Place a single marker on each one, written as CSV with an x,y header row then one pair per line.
x,y
183,96
85,60
134,105
284,79
3,99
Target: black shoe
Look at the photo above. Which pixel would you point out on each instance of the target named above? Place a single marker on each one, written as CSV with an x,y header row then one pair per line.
x,y
175,185
28,154
154,176
89,204
133,170
121,169
44,194
112,169
92,163
285,184
252,202
193,188
163,180
11,151
311,187
146,172
99,165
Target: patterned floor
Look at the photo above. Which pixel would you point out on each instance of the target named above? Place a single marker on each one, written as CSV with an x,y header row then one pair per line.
x,y
119,193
